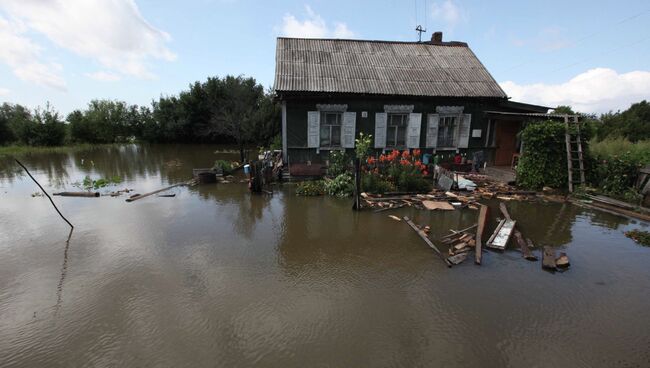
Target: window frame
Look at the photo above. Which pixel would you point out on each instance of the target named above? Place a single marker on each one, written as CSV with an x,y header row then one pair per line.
x,y
324,123
404,124
455,135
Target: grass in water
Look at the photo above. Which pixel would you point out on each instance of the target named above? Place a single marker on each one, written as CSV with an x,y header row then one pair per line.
x,y
641,237
14,150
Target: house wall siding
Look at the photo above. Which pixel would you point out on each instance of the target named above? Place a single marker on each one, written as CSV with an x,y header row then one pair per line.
x,y
298,107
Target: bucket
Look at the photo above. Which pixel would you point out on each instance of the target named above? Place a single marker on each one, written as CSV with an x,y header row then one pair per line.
x,y
247,169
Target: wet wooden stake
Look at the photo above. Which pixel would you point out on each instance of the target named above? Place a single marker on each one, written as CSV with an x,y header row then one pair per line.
x,y
482,219
426,240
48,197
140,196
548,259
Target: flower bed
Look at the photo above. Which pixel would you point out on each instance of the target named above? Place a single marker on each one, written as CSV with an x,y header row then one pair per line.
x,y
402,171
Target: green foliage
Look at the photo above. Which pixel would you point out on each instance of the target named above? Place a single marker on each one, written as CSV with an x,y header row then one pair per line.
x,y
341,186
639,236
311,188
413,182
617,173
276,143
106,121
339,163
363,146
89,183
225,166
610,147
376,185
632,124
544,160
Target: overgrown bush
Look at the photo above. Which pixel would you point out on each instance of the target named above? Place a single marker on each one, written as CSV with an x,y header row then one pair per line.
x,y
311,188
340,186
543,162
610,147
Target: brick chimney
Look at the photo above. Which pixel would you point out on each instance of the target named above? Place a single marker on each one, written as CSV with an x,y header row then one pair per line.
x,y
436,37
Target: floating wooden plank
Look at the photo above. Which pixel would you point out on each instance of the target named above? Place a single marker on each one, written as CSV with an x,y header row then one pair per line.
x,y
395,218
548,258
437,205
140,196
525,251
482,219
458,258
426,240
500,240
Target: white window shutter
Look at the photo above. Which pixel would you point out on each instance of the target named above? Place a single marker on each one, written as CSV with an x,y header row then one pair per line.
x,y
381,123
313,129
413,130
465,125
433,121
348,129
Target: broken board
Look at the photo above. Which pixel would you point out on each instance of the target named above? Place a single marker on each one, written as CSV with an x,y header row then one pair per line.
x,y
437,205
502,234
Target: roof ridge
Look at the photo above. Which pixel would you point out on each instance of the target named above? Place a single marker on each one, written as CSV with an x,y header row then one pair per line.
x,y
425,43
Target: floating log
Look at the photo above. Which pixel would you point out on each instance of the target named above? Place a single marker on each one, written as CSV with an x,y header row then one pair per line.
x,y
167,195
395,218
426,240
77,194
548,258
482,219
140,196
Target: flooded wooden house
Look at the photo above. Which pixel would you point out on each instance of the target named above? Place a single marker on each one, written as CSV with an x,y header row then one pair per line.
x,y
436,96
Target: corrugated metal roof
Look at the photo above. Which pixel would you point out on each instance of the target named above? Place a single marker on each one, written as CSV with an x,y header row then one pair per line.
x,y
381,67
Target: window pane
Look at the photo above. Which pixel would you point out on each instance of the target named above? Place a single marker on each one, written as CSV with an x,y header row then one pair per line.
x,y
336,135
401,136
324,135
390,136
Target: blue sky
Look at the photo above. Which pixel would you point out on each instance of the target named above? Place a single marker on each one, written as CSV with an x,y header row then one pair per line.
x,y
593,55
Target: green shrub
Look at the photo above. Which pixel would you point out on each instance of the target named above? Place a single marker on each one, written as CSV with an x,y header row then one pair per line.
x,y
340,186
363,146
376,185
543,162
223,165
311,188
409,182
339,163
610,147
617,174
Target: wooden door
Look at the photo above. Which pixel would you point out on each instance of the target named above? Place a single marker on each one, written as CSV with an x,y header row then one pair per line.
x,y
505,139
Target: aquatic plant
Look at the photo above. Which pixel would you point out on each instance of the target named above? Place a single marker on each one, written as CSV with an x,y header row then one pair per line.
x,y
89,183
226,167
311,188
639,236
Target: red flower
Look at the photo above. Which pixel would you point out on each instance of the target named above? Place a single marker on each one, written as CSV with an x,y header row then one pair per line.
x,y
405,154
371,160
425,173
416,152
404,162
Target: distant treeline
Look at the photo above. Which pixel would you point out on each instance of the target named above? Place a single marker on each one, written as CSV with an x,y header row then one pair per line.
x,y
229,110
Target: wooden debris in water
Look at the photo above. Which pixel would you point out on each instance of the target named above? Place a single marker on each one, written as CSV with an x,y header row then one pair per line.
x,y
548,258
426,240
482,219
395,218
457,258
77,194
437,205
140,196
525,250
562,261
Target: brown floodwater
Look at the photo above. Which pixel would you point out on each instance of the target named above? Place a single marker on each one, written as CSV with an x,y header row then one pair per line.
x,y
216,276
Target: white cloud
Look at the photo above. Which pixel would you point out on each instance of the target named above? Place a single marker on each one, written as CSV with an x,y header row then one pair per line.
x,y
113,33
313,27
103,76
24,56
447,12
4,91
594,91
